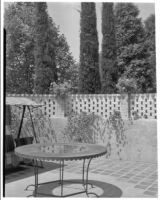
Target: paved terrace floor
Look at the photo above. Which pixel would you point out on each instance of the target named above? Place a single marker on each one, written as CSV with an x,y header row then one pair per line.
x,y
111,178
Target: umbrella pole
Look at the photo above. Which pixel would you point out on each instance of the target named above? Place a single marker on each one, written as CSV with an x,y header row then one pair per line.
x,y
34,130
32,124
20,127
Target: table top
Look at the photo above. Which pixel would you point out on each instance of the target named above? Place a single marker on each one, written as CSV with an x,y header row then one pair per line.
x,y
60,151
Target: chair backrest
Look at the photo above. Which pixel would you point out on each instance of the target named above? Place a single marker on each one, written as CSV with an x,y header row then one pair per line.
x,y
9,143
8,115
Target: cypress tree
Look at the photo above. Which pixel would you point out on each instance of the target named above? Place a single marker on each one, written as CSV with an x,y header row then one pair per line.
x,y
108,60
150,42
89,78
45,66
132,50
19,24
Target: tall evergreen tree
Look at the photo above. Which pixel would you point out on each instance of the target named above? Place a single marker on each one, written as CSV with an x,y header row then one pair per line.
x,y
45,66
150,31
108,59
19,22
89,78
132,51
19,25
150,41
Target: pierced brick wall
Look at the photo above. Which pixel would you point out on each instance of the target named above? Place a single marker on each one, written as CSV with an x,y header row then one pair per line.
x,y
145,105
104,105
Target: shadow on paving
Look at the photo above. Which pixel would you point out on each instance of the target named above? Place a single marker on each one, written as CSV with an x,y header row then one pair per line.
x,y
25,171
106,189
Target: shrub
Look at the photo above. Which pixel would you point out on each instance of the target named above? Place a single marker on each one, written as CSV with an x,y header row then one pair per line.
x,y
91,128
60,90
136,115
79,127
106,130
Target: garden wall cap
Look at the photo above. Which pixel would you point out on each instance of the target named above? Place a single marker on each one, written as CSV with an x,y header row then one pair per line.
x,y
21,101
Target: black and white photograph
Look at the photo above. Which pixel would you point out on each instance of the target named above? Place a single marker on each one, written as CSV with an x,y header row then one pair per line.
x,y
79,99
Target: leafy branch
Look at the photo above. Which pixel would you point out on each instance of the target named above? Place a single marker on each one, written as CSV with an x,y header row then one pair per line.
x,y
91,128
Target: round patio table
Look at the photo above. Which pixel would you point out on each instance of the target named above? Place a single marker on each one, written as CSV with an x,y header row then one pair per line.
x,y
50,152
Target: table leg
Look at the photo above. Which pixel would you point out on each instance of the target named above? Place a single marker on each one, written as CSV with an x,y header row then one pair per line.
x,y
62,172
87,175
35,174
35,164
83,172
86,180
36,177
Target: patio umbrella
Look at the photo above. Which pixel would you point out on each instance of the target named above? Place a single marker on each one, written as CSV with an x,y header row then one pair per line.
x,y
25,103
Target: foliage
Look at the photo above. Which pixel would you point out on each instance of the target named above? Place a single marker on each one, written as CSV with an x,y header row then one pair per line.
x,y
69,85
129,29
43,126
78,128
108,59
126,85
110,131
19,28
65,63
89,78
132,51
90,128
45,66
67,68
150,31
73,77
19,22
60,90
150,42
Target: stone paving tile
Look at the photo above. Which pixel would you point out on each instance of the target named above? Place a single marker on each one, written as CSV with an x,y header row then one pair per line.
x,y
130,174
144,173
141,175
72,169
141,186
107,172
152,189
122,179
155,185
150,193
144,183
96,172
128,177
116,175
133,181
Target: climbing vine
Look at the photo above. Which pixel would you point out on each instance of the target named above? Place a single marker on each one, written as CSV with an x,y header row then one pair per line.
x,y
91,128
